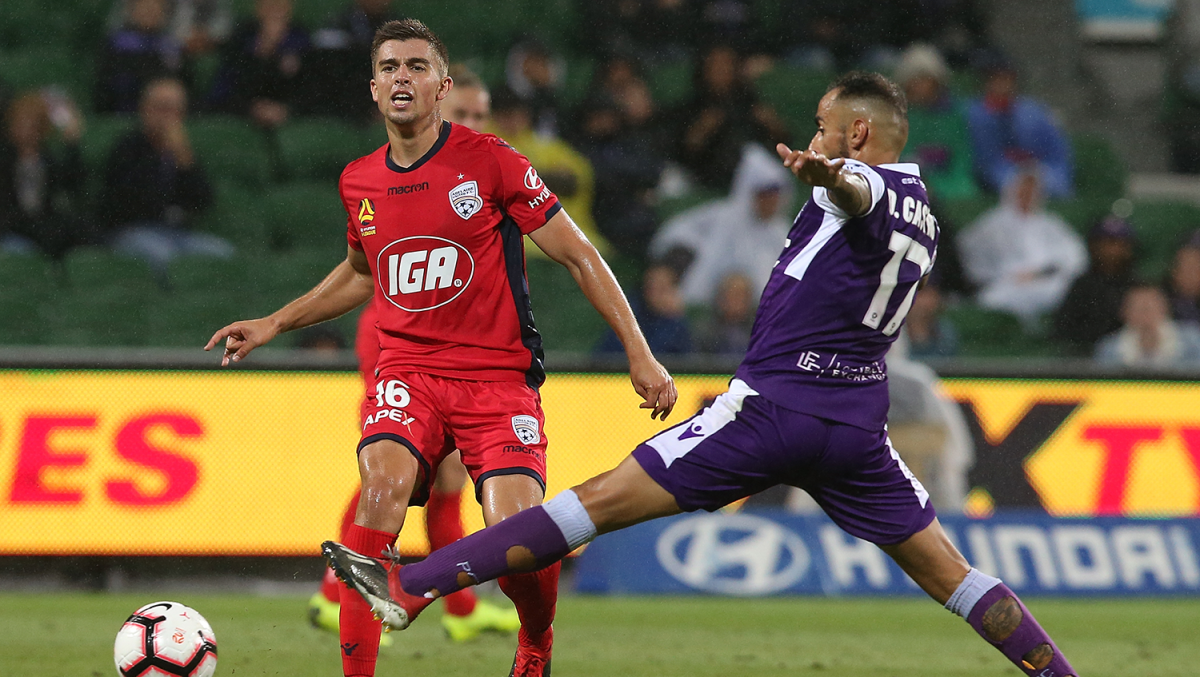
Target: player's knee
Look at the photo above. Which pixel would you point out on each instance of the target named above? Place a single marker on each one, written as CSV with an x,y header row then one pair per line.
x,y
1001,619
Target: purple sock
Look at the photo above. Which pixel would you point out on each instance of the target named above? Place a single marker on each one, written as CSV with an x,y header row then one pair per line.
x,y
484,554
1013,630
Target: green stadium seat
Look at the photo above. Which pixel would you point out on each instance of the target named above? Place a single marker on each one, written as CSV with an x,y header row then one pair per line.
x,y
565,318
237,215
197,274
33,276
189,318
1161,227
986,333
101,316
321,148
305,215
231,148
21,317
90,269
283,277
1099,170
99,138
794,92
958,214
671,84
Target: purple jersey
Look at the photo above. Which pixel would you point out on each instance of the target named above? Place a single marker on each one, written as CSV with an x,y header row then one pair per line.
x,y
837,297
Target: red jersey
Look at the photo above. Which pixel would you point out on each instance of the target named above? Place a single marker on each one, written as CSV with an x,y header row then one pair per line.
x,y
444,242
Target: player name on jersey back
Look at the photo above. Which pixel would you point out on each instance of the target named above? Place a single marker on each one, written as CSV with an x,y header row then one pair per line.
x,y
838,296
443,238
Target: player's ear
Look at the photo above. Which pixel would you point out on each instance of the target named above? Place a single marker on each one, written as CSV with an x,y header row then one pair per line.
x,y
446,86
374,91
859,132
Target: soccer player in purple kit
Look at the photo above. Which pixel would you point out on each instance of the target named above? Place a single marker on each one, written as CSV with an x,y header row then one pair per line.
x,y
807,407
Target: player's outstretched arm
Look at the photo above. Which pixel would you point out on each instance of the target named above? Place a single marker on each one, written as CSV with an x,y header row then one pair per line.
x,y
346,287
562,241
847,190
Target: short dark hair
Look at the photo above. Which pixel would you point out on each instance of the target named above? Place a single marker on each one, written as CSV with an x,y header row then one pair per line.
x,y
410,29
873,86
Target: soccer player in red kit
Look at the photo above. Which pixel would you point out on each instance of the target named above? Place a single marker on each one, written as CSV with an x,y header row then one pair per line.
x,y
435,234
468,104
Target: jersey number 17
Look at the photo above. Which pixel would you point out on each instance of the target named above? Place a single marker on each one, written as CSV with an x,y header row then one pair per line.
x,y
903,248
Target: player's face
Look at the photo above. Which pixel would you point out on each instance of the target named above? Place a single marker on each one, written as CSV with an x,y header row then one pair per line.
x,y
831,139
470,107
408,82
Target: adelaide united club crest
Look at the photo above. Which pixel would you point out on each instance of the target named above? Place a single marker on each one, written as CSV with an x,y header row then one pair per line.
x,y
465,200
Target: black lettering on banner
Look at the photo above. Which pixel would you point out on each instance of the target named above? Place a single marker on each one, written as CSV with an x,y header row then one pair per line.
x,y
1000,468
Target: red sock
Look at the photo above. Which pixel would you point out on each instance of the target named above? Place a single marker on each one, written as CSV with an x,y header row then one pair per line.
x,y
359,630
443,523
536,596
330,585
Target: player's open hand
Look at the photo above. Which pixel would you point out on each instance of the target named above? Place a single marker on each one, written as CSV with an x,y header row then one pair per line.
x,y
242,337
652,381
810,166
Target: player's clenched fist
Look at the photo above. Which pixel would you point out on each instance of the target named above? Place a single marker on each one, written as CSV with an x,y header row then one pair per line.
x,y
242,337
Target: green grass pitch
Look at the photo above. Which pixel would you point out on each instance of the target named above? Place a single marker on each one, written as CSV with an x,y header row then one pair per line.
x,y
71,634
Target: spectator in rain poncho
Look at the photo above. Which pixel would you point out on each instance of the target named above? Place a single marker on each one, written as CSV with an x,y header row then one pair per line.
x,y
742,233
1022,258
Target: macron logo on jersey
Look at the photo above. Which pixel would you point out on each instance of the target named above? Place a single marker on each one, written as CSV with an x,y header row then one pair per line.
x,y
424,272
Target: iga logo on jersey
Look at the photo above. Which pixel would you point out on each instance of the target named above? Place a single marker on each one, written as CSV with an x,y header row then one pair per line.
x,y
526,428
465,199
424,272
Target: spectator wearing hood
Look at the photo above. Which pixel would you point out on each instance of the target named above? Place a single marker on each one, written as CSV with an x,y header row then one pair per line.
x,y
1021,257
938,140
741,233
1092,308
1009,131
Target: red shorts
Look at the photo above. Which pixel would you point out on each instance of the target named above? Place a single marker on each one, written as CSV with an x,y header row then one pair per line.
x,y
498,425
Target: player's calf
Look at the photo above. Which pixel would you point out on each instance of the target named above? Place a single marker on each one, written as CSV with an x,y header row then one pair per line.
x,y
998,615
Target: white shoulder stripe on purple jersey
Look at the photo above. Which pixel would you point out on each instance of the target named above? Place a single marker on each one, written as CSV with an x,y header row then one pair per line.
x,y
830,224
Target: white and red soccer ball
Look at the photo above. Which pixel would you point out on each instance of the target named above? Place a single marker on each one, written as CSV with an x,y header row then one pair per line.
x,y
166,639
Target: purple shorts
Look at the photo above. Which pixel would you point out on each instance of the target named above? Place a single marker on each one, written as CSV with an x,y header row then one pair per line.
x,y
743,444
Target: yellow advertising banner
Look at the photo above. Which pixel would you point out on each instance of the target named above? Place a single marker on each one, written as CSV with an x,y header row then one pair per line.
x,y
1085,448
241,463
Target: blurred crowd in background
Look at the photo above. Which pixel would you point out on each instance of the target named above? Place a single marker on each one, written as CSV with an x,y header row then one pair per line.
x,y
662,150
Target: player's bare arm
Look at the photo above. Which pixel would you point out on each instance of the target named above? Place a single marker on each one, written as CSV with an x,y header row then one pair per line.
x,y
847,190
563,242
346,287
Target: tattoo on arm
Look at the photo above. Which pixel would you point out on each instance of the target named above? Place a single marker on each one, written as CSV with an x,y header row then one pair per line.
x,y
851,193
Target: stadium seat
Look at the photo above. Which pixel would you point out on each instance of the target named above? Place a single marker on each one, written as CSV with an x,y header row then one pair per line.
x,y
27,275
1099,170
671,83
231,148
196,274
562,313
986,333
282,277
305,215
101,316
321,148
794,92
237,215
958,214
1161,227
99,138
90,269
189,318
21,317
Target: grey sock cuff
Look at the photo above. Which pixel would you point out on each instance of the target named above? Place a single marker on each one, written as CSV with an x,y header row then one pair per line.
x,y
571,517
973,587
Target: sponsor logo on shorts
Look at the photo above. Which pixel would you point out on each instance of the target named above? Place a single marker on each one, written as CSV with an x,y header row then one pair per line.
x,y
519,449
526,428
394,414
465,200
696,429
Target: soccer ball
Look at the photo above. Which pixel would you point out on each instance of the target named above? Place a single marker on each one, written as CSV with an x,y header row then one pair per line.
x,y
166,639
